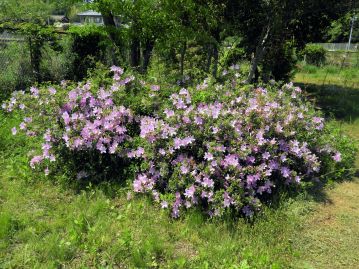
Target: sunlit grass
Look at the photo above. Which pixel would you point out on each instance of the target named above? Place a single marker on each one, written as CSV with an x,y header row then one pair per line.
x,y
328,75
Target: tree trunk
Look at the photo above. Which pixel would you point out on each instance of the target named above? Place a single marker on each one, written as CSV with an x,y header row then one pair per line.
x,y
258,55
209,58
35,56
147,52
135,52
215,61
109,21
183,54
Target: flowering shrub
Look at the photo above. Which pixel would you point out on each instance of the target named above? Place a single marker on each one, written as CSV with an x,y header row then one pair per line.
x,y
221,148
232,153
82,119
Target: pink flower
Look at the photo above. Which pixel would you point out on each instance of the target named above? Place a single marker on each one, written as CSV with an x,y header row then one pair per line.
x,y
208,156
169,113
35,160
52,91
34,91
164,204
184,169
189,193
266,155
230,160
207,182
178,142
117,70
337,157
228,200
66,118
155,88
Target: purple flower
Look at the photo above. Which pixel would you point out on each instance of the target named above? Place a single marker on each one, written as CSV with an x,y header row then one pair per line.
x,y
208,156
189,193
228,200
164,204
100,147
285,171
337,157
279,128
28,119
22,126
66,118
52,91
34,91
252,180
14,131
230,160
155,88
169,113
178,142
266,155
143,183
184,169
198,120
317,120
35,160
248,212
117,70
207,182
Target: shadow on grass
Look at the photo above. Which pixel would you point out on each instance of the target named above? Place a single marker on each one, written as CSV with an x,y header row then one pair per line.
x,y
339,102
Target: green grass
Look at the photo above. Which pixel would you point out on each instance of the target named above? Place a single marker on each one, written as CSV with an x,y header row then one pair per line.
x,y
328,75
329,235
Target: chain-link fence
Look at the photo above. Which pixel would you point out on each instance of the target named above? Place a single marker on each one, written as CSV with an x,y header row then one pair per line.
x,y
341,54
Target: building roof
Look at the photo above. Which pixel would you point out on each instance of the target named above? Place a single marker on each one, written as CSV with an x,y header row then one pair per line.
x,y
89,13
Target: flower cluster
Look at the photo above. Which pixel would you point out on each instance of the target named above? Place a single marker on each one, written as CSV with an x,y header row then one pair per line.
x,y
83,118
221,148
229,154
94,121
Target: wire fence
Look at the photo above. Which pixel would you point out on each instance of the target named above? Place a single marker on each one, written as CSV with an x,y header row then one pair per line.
x,y
19,70
340,47
15,63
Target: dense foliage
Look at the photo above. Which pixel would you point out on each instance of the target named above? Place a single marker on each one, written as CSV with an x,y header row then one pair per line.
x,y
218,147
314,54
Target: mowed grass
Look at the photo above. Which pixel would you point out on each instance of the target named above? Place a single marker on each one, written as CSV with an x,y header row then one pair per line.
x,y
330,234
328,75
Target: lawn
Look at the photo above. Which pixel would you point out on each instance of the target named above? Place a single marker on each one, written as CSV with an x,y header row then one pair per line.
x,y
44,223
347,77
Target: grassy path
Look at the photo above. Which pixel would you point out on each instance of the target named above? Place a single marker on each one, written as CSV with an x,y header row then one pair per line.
x,y
330,237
